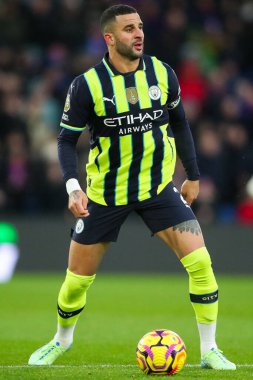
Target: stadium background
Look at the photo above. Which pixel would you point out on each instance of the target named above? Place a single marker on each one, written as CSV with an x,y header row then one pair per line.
x,y
44,44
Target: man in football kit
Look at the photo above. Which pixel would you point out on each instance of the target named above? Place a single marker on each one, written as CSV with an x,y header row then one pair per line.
x,y
130,103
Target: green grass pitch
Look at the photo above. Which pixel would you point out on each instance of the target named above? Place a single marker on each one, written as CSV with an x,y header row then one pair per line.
x,y
120,309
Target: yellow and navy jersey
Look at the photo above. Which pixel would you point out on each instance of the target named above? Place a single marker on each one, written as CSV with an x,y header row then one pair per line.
x,y
132,150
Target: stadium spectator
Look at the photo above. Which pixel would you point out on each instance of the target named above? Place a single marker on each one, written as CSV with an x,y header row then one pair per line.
x,y
245,206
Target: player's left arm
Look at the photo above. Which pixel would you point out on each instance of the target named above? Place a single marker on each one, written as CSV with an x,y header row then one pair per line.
x,y
183,139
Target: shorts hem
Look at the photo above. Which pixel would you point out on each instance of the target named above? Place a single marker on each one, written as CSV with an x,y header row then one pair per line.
x,y
95,241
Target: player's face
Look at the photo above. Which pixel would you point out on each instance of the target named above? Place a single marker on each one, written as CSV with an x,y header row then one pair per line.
x,y
129,36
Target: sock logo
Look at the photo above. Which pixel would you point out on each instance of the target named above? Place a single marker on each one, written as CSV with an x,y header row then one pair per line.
x,y
204,298
68,314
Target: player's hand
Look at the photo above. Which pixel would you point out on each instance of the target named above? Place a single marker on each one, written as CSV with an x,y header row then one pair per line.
x,y
190,190
78,202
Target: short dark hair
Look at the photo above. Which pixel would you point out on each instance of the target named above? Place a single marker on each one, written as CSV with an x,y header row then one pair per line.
x,y
110,14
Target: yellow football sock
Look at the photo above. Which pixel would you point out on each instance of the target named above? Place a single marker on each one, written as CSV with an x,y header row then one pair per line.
x,y
202,285
72,297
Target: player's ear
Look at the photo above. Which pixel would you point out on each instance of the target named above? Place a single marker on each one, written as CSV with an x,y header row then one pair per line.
x,y
109,39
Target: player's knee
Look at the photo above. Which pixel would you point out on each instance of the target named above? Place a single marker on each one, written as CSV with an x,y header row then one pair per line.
x,y
74,289
197,260
76,286
201,277
76,281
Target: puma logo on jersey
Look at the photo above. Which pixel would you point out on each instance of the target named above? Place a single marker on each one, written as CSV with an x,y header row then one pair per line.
x,y
109,100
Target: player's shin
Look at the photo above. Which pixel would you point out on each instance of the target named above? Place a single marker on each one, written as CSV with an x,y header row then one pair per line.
x,y
203,294
71,301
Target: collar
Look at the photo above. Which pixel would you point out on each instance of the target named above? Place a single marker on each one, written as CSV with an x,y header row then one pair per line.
x,y
113,71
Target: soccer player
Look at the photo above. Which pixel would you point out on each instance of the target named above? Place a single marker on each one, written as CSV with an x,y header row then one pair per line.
x,y
130,103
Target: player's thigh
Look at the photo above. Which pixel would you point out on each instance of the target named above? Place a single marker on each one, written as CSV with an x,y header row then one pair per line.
x,y
84,259
169,217
183,238
92,234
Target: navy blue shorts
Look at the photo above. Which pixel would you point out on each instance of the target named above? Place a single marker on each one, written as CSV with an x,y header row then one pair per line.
x,y
165,210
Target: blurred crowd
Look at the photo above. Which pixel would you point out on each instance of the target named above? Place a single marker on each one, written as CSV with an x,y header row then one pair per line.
x,y
44,44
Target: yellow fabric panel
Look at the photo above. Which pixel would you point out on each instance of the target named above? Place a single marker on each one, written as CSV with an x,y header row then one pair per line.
x,y
95,176
169,161
146,165
123,171
96,91
142,89
162,77
119,90
107,67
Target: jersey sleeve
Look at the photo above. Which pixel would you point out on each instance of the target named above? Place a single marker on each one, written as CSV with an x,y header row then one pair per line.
x,y
174,97
77,105
180,127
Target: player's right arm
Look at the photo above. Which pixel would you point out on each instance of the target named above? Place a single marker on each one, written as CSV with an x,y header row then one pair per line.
x,y
73,123
183,139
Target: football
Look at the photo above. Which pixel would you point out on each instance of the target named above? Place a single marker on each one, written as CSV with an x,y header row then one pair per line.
x,y
161,352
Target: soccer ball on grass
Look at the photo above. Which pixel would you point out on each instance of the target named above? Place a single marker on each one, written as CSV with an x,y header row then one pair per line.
x,y
161,352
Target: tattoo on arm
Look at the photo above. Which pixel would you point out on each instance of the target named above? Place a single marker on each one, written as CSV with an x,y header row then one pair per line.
x,y
191,226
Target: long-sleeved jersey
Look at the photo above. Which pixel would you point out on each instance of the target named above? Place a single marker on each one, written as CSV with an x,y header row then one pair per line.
x,y
130,118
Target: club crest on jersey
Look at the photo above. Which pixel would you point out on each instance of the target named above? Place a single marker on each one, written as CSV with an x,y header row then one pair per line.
x,y
67,104
132,95
154,92
79,226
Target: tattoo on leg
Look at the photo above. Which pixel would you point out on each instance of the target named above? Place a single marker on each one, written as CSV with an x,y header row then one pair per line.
x,y
189,226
